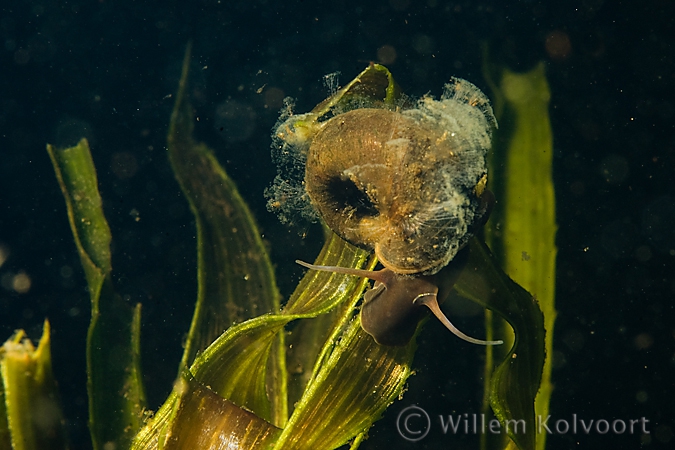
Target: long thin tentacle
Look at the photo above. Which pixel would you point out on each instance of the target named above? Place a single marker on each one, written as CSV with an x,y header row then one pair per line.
x,y
430,301
371,274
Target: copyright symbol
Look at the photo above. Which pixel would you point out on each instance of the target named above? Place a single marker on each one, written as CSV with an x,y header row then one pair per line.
x,y
413,423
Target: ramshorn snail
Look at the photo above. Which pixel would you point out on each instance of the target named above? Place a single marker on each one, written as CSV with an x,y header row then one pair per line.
x,y
407,181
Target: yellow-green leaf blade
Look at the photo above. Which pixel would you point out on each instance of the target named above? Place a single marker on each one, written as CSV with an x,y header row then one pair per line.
x,y
235,275
236,278
338,293
515,382
351,390
529,221
115,390
522,229
30,401
76,175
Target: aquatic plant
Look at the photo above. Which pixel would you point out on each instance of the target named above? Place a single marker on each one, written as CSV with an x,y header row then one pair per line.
x,y
234,388
522,230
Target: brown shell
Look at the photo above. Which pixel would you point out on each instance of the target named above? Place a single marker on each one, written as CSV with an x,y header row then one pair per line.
x,y
405,183
379,180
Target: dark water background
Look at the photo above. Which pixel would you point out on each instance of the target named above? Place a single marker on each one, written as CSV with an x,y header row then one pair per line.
x,y
107,70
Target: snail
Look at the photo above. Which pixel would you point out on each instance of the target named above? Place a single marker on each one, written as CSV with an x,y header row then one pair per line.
x,y
408,183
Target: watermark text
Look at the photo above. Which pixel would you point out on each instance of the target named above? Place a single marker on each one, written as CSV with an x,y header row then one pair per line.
x,y
414,423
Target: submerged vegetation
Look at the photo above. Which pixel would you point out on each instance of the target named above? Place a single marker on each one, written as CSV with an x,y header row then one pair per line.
x,y
234,389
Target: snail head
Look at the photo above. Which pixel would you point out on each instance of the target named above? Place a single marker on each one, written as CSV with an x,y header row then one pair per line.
x,y
395,304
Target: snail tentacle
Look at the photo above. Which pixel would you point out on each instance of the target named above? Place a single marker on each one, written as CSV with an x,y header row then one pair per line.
x,y
430,301
370,274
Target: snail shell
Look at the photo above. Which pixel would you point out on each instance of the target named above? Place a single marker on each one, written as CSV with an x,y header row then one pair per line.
x,y
407,184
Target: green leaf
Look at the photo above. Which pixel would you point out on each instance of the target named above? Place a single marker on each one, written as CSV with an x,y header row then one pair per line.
x,y
235,278
235,365
234,269
515,382
116,396
522,228
34,420
305,342
309,336
527,222
355,382
76,175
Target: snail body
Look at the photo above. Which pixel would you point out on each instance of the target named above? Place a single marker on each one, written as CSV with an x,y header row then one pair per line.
x,y
406,182
396,303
